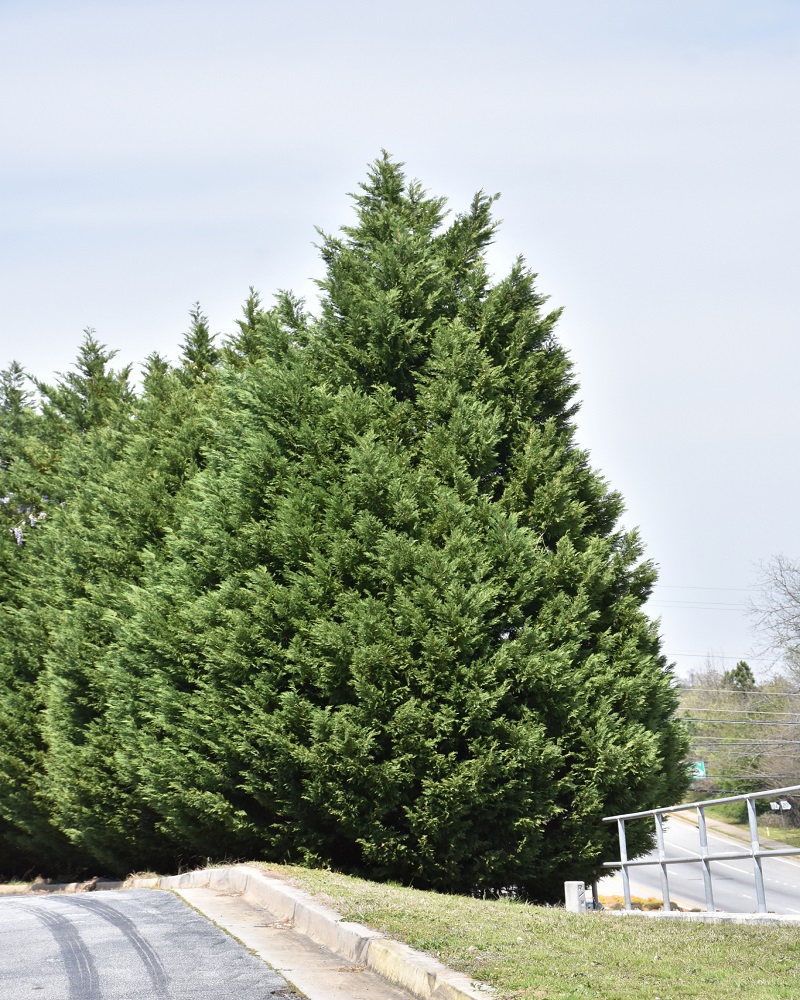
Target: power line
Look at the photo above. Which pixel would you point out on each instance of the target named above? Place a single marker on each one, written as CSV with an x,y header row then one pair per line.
x,y
710,604
732,711
748,694
741,722
723,656
754,775
742,741
675,586
685,606
700,605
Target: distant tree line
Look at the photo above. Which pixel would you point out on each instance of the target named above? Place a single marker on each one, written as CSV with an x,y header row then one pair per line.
x,y
747,733
339,590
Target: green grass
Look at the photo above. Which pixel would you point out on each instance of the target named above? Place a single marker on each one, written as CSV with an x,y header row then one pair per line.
x,y
539,952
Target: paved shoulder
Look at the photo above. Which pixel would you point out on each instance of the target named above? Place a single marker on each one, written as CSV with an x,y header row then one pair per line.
x,y
319,973
125,945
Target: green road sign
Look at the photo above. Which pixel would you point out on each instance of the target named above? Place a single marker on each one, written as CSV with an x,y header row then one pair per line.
x,y
697,769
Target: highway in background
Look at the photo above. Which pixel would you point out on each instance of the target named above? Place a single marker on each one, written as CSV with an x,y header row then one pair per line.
x,y
733,882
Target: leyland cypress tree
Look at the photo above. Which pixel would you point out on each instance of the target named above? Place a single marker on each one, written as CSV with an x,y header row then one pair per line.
x,y
25,464
108,535
181,730
46,459
116,465
405,630
494,668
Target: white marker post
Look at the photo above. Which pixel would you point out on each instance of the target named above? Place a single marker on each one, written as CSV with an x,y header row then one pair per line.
x,y
575,897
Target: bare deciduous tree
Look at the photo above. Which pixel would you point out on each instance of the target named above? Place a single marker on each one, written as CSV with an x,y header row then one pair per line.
x,y
777,613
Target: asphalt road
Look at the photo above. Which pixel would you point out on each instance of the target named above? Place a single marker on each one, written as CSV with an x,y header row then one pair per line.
x,y
131,944
733,883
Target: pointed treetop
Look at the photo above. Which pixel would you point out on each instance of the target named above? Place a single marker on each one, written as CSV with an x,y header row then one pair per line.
x,y
87,396
267,332
14,397
385,184
200,355
291,310
389,206
154,372
16,413
245,346
252,311
397,274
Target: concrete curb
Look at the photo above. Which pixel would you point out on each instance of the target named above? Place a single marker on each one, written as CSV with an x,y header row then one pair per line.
x,y
420,974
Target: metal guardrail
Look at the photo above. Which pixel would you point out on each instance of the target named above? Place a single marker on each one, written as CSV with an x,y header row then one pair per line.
x,y
756,852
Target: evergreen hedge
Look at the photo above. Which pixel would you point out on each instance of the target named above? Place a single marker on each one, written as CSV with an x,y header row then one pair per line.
x,y
344,592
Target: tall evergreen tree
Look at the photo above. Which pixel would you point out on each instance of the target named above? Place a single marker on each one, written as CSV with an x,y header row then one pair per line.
x,y
44,461
110,532
400,630
21,488
19,478
186,771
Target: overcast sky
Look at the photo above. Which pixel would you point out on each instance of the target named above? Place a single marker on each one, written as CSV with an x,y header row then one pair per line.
x,y
648,155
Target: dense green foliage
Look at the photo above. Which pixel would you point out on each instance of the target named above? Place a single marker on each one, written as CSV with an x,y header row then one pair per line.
x,y
343,591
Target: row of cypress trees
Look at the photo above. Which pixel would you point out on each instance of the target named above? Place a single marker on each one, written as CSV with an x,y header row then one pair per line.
x,y
342,590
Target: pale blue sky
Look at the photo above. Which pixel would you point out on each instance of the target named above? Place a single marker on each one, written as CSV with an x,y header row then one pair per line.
x,y
648,155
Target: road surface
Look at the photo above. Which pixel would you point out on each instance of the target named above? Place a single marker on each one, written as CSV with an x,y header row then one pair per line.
x,y
125,945
733,883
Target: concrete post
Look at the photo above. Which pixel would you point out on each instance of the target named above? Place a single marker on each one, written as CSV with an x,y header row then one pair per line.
x,y
575,897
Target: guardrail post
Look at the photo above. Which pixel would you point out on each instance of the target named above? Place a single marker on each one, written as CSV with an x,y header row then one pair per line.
x,y
701,827
662,859
755,847
623,856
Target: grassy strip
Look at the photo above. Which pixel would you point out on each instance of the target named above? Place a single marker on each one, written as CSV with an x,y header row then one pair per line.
x,y
529,951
